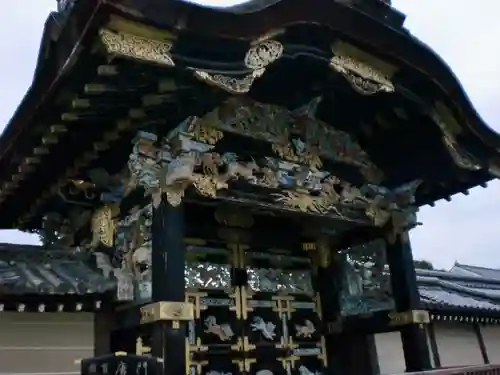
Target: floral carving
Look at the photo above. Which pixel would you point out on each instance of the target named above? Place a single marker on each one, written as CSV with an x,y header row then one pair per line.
x,y
363,78
258,57
136,47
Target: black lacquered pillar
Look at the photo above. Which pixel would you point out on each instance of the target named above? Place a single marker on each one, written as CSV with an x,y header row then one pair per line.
x,y
407,298
168,263
346,352
328,289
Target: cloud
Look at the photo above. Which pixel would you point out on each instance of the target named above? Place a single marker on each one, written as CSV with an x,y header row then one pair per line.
x,y
464,34
465,229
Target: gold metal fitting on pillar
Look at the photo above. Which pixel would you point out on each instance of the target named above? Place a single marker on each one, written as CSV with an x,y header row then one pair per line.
x,y
403,318
140,348
167,310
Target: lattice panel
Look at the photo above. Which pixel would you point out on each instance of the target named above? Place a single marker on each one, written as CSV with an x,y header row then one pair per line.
x,y
269,326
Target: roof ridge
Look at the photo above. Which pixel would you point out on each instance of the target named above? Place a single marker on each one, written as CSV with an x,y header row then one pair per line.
x,y
480,267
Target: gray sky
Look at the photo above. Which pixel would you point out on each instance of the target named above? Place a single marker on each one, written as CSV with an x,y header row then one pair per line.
x,y
464,34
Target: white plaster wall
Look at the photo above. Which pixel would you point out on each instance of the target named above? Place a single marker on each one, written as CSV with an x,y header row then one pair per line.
x,y
44,342
390,353
457,344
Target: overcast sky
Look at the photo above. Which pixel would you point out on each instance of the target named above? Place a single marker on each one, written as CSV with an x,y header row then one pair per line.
x,y
465,34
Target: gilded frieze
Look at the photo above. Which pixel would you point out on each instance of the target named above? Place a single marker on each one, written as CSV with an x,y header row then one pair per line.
x,y
296,136
137,47
186,159
321,139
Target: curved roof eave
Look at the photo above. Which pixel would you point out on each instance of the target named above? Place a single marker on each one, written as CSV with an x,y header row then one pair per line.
x,y
256,18
47,72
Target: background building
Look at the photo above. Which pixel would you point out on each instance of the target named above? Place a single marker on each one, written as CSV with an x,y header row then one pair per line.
x,y
464,304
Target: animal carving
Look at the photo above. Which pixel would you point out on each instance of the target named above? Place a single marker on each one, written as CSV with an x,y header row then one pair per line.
x,y
264,372
303,370
306,331
269,177
210,163
179,170
266,329
222,331
237,169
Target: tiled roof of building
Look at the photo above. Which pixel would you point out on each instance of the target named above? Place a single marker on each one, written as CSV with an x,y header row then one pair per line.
x,y
464,269
449,289
27,269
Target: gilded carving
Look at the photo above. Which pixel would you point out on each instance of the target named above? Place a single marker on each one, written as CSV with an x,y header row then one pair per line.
x,y
321,139
296,136
450,129
395,207
203,132
257,59
323,253
103,225
234,85
363,78
302,200
263,53
324,202
208,186
137,47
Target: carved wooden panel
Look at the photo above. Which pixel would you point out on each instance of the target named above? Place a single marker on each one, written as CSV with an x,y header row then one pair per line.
x,y
269,324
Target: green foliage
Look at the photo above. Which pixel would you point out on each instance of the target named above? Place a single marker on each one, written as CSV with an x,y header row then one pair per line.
x,y
423,264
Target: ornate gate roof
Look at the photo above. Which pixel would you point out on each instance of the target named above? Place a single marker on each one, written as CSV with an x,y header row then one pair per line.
x,y
377,105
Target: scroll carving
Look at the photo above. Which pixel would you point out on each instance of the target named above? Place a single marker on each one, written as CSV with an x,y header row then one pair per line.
x,y
363,78
137,47
256,59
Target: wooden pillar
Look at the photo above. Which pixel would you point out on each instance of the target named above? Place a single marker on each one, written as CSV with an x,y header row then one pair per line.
x,y
328,287
359,353
407,298
480,340
104,322
168,264
354,353
346,352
